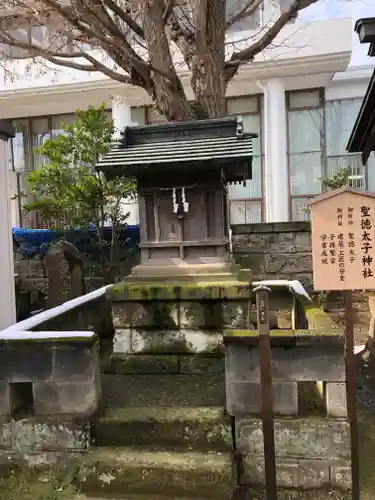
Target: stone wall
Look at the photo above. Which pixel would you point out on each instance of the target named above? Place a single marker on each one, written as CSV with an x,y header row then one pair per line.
x,y
50,385
311,440
49,394
274,250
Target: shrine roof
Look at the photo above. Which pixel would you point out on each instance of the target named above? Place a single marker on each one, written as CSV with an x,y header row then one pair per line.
x,y
6,130
216,141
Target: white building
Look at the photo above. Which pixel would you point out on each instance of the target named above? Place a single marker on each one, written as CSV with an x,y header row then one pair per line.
x,y
298,96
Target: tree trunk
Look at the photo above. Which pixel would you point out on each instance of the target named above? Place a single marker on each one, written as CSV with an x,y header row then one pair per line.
x,y
168,93
208,77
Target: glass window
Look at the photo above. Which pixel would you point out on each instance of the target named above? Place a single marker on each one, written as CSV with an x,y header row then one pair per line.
x,y
305,131
238,105
300,209
305,99
245,212
305,173
153,116
340,118
58,122
253,188
40,133
138,115
19,144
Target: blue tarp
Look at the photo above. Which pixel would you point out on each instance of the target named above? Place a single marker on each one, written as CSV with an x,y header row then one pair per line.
x,y
32,242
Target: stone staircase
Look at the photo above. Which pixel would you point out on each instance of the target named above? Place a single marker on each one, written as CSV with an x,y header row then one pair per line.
x,y
160,437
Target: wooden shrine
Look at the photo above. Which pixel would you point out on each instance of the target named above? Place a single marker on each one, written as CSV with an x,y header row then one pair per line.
x,y
182,171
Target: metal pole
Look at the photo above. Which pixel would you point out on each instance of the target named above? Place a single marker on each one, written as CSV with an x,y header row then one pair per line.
x,y
265,357
350,365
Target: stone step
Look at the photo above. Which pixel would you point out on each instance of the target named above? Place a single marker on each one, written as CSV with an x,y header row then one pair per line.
x,y
165,390
148,496
107,471
165,427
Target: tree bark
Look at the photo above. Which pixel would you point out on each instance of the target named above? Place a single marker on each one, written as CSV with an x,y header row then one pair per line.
x,y
208,76
168,92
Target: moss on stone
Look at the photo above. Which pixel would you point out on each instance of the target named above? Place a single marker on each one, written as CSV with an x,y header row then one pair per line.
x,y
179,290
28,485
171,473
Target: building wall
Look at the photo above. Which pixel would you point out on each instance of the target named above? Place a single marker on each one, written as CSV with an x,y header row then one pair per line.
x,y
318,124
264,92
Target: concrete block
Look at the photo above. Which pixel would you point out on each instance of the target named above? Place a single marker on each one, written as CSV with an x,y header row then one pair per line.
x,y
24,436
5,403
341,475
80,400
122,341
175,341
26,362
244,398
143,364
304,438
290,473
301,363
336,400
235,314
75,364
201,365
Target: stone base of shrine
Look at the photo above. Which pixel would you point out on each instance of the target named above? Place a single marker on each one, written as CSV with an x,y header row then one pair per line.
x,y
176,269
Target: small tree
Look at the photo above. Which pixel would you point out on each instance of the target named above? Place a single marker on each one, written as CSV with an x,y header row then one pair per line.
x,y
70,193
339,179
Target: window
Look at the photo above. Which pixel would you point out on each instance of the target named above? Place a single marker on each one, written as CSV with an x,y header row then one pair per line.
x,y
340,118
305,147
246,202
31,134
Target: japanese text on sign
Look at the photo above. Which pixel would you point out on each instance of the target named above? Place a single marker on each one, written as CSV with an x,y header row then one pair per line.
x,y
366,241
343,240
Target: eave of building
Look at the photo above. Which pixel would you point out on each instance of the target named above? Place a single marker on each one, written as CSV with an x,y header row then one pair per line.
x,y
297,73
362,138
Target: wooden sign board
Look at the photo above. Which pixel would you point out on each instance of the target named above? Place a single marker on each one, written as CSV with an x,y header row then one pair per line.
x,y
343,240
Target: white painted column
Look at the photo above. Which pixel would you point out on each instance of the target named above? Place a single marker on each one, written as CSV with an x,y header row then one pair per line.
x,y
276,172
8,294
121,116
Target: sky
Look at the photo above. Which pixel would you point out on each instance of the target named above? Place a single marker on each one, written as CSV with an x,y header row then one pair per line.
x,y
356,9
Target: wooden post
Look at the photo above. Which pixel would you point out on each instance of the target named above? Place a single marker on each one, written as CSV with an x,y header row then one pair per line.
x,y
350,365
266,391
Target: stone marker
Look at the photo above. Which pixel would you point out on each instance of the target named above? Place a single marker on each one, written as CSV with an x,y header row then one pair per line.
x,y
59,278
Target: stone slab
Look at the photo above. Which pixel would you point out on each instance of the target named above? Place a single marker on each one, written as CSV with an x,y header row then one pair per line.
x,y
296,364
201,365
301,474
143,364
80,400
336,400
167,427
244,398
27,436
313,438
175,474
153,390
26,362
175,341
75,364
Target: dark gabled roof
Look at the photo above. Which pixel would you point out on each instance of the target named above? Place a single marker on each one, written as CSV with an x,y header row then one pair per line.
x,y
362,138
6,130
192,142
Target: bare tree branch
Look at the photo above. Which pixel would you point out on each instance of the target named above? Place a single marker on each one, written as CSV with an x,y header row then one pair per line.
x,y
136,42
248,54
246,11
